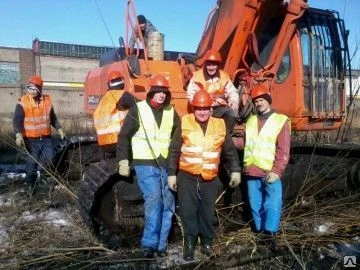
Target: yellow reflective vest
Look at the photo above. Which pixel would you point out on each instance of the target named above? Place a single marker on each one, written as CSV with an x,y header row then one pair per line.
x,y
200,154
260,147
150,141
108,119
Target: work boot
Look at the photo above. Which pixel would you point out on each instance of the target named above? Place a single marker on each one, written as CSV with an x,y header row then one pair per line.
x,y
206,246
148,252
190,242
269,240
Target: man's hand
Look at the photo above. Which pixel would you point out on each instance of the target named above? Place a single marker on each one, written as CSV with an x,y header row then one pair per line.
x,y
271,177
19,140
235,179
124,169
61,133
220,101
172,182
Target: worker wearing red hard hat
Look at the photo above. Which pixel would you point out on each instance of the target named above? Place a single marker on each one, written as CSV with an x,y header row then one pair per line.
x,y
266,154
33,117
110,113
203,139
147,132
217,83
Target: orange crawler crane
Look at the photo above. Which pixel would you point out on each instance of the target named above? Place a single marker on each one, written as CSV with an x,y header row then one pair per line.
x,y
299,52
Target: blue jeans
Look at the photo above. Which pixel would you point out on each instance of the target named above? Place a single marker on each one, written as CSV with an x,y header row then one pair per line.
x,y
159,206
265,203
42,152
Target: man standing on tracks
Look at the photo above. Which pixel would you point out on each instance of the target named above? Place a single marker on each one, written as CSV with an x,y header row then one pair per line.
x,y
266,154
110,113
146,28
147,132
217,83
34,115
203,139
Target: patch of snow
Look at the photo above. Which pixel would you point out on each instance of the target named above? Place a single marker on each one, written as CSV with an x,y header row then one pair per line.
x,y
324,228
51,216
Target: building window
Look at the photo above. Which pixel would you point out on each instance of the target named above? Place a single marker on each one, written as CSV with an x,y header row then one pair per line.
x,y
9,73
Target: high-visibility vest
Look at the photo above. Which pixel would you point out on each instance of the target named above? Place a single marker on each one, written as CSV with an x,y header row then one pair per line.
x,y
108,119
200,154
215,89
260,147
150,133
37,116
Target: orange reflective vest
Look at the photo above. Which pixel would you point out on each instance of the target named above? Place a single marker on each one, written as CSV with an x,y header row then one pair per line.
x,y
108,119
200,154
37,116
215,89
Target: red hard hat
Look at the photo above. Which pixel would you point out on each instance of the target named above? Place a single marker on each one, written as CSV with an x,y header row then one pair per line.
x,y
202,99
36,80
114,75
259,90
159,80
213,56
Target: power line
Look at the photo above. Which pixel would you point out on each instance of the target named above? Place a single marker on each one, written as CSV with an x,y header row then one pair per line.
x,y
107,29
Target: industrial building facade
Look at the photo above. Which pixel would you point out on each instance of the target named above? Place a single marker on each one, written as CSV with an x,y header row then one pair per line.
x,y
63,68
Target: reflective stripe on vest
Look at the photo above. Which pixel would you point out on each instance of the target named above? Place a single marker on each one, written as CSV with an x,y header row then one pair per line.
x,y
37,116
200,154
108,119
260,147
216,89
159,138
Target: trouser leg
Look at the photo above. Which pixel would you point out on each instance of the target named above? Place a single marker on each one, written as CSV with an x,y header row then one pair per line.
x,y
188,203
33,148
255,195
272,206
208,192
168,201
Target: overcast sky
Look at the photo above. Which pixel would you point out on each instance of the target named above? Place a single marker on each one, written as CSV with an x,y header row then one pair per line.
x,y
80,22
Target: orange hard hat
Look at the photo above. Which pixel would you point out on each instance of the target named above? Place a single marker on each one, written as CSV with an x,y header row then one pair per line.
x,y
202,99
159,80
259,90
114,75
36,80
213,56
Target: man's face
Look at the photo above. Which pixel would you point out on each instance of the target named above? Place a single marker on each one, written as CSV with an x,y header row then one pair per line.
x,y
262,105
202,114
211,67
33,90
142,26
159,97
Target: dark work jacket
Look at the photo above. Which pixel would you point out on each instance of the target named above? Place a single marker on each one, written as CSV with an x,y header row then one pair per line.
x,y
228,152
131,126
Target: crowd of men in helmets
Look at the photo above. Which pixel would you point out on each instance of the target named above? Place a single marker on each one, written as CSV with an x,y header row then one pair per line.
x,y
171,154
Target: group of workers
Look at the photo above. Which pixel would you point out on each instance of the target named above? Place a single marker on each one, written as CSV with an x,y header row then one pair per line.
x,y
178,154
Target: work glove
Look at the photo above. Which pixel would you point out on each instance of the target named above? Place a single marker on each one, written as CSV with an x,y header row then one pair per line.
x,y
61,133
172,182
19,140
271,178
124,168
235,179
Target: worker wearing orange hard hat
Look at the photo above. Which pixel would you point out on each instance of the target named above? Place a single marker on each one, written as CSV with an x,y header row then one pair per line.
x,y
110,113
217,83
147,132
266,155
203,139
33,117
